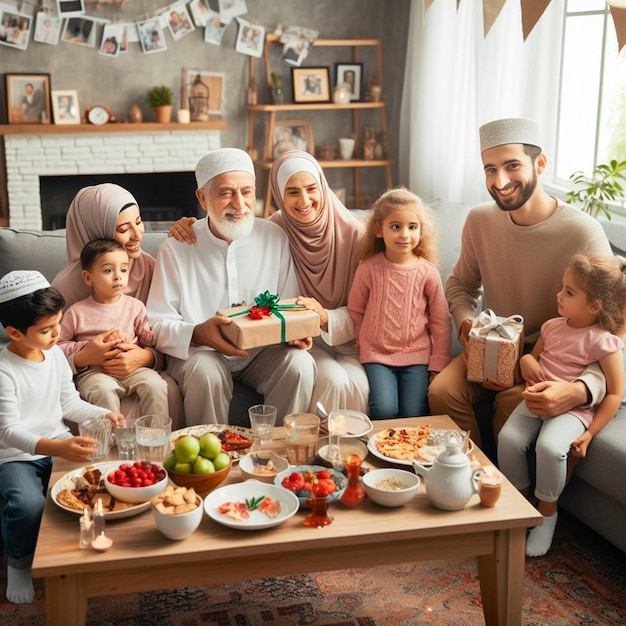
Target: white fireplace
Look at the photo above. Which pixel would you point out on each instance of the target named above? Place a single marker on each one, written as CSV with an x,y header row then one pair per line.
x,y
29,156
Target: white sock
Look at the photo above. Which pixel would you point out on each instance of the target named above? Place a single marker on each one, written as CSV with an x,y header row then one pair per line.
x,y
540,538
20,588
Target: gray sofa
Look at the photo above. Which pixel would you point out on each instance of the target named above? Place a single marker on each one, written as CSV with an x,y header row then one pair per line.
x,y
596,494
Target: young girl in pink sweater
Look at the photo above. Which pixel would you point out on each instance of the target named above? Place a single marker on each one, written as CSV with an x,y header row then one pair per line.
x,y
401,319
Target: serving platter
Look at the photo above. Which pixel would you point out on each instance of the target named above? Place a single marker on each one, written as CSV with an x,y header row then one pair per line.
x,y
428,453
201,429
240,492
104,467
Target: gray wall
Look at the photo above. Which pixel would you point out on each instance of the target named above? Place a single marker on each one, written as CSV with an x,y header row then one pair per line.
x,y
123,81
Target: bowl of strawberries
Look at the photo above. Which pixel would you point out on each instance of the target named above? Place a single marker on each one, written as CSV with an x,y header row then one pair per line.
x,y
299,478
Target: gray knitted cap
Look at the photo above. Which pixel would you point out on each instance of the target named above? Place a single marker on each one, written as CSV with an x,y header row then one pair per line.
x,y
20,283
509,130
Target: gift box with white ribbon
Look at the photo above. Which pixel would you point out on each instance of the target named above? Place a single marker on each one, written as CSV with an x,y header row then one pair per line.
x,y
494,347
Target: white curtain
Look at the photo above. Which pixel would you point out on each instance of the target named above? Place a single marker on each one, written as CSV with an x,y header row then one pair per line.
x,y
457,79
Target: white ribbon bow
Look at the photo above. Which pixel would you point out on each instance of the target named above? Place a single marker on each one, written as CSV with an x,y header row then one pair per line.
x,y
506,327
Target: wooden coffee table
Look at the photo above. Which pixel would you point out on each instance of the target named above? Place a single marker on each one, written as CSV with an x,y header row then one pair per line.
x,y
142,559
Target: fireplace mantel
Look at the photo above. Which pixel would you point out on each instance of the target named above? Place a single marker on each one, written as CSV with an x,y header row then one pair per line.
x,y
113,127
35,150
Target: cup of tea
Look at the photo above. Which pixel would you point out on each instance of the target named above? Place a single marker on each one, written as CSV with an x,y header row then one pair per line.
x,y
301,432
489,487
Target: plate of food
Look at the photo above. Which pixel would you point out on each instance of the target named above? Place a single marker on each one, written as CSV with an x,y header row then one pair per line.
x,y
236,440
414,443
251,505
82,487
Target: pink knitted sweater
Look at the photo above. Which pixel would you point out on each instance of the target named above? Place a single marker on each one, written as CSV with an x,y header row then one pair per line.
x,y
400,314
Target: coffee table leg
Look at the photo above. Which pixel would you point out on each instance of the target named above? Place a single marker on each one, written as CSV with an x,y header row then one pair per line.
x,y
66,601
501,577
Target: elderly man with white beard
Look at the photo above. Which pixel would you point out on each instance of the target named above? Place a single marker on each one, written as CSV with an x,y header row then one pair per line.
x,y
236,257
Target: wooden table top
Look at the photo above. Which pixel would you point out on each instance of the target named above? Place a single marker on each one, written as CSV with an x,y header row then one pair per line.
x,y
137,542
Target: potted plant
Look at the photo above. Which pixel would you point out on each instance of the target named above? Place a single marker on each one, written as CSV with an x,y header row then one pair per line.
x,y
596,191
276,88
160,99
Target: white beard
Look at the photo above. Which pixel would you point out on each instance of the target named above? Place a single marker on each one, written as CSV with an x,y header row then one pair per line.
x,y
231,230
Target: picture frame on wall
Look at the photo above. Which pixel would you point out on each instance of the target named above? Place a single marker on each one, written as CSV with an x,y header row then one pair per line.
x,y
213,80
352,74
310,84
16,28
65,107
28,98
291,135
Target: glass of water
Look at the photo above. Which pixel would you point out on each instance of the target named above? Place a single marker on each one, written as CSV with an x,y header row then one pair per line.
x,y
153,434
125,438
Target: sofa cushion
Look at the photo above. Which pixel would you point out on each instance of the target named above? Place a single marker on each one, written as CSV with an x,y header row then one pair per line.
x,y
605,463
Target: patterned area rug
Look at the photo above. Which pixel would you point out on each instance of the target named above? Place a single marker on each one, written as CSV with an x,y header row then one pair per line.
x,y
581,581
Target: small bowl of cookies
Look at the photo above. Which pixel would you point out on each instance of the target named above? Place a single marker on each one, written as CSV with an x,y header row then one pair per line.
x,y
177,512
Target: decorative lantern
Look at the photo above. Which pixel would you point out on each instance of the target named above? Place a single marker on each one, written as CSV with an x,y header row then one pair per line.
x,y
198,100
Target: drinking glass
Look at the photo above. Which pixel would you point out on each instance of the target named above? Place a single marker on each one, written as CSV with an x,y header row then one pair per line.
x,y
126,439
98,428
262,420
153,434
301,432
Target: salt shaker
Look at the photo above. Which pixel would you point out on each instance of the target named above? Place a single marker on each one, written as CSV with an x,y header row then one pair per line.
x,y
87,533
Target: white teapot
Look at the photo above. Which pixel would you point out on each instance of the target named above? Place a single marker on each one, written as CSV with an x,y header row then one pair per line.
x,y
450,482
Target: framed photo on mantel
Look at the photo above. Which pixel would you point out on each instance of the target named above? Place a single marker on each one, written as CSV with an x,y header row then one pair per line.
x,y
28,98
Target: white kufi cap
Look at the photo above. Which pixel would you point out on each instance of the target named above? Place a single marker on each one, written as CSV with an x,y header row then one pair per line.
x,y
221,161
20,283
509,130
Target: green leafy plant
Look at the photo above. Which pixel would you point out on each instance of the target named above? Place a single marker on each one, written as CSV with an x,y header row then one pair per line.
x,y
277,80
595,192
160,95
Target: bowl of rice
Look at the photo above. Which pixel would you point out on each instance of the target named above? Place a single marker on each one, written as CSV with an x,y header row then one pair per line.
x,y
390,487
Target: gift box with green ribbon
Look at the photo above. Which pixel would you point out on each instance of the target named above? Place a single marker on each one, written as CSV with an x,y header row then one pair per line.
x,y
269,321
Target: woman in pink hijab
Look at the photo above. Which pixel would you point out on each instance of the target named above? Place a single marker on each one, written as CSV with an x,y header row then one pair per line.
x,y
108,211
323,234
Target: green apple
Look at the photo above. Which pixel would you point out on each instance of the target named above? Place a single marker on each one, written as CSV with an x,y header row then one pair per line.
x,y
170,462
186,449
203,466
221,461
183,468
210,445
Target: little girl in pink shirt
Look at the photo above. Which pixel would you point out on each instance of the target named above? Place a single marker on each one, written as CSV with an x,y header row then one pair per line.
x,y
592,305
401,319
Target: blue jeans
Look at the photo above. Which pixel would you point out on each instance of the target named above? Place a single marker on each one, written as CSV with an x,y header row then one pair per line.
x,y
397,391
23,488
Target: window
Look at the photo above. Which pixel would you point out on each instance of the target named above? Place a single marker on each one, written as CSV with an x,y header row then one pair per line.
x,y
592,95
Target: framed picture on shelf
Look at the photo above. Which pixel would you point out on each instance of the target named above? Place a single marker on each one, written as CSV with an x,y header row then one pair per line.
x,y
28,98
311,84
291,135
214,81
352,74
65,107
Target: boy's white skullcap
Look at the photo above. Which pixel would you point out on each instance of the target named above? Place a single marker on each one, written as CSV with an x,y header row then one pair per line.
x,y
509,130
20,283
221,161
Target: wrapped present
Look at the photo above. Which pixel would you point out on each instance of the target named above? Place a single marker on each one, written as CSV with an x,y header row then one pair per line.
x,y
269,321
494,346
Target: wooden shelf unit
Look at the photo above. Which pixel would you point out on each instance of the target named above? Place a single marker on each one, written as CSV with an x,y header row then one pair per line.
x,y
111,127
265,156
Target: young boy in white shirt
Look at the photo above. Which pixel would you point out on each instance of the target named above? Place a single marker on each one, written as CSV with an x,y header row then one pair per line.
x,y
36,395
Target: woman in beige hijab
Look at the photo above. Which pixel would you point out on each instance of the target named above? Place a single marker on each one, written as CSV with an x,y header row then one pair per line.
x,y
108,211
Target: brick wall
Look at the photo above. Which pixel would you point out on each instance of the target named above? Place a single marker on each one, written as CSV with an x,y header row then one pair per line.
x,y
30,156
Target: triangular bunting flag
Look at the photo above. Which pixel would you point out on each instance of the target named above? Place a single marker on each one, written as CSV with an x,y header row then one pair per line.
x,y
491,10
532,10
619,19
